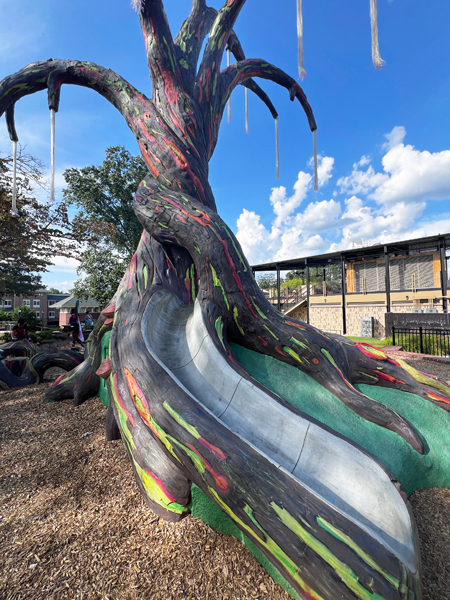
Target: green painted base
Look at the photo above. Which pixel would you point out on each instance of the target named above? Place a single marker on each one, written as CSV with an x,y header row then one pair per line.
x,y
412,470
103,390
208,511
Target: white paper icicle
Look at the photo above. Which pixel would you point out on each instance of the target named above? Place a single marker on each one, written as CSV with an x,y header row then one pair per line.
x,y
301,67
316,178
14,194
246,110
376,58
229,101
277,148
52,152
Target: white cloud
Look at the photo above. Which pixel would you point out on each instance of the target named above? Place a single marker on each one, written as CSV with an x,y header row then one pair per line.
x,y
414,176
324,169
291,233
284,206
380,207
361,182
64,265
394,138
410,175
364,160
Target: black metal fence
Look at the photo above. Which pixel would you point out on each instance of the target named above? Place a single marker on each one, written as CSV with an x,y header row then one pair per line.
x,y
426,341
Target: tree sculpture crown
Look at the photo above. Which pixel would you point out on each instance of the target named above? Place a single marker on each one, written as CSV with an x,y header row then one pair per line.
x,y
177,130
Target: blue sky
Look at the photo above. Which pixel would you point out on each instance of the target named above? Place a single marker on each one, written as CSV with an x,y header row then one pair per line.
x,y
383,136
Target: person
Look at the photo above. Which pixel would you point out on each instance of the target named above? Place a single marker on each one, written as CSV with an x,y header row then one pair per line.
x,y
73,322
20,331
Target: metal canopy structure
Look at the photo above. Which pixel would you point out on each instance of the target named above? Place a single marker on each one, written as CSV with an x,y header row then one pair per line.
x,y
369,253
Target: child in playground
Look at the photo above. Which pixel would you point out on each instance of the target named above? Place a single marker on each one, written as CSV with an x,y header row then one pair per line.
x,y
20,331
74,323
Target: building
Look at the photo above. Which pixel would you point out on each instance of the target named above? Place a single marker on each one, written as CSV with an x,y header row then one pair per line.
x,y
42,303
86,306
362,285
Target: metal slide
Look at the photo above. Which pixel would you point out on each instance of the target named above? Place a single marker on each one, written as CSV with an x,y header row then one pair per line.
x,y
332,468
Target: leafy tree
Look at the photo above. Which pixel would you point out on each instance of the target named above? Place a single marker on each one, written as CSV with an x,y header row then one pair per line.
x,y
104,196
103,273
29,240
54,290
267,281
25,313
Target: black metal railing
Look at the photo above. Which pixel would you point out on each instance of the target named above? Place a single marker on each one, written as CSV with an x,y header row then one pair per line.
x,y
426,341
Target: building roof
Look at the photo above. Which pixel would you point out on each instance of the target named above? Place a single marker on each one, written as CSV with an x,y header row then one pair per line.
x,y
423,244
70,302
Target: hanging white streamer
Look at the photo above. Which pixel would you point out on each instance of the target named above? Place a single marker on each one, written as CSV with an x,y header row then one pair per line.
x,y
14,194
316,178
246,110
376,58
52,152
277,148
229,101
301,67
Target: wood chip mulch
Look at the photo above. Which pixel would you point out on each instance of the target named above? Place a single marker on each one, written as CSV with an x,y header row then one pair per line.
x,y
73,524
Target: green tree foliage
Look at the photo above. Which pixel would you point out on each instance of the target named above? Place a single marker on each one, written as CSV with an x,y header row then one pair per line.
x,y
103,272
29,240
267,281
25,313
54,290
104,196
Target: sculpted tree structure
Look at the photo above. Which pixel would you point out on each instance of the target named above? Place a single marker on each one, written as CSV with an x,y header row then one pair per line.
x,y
328,515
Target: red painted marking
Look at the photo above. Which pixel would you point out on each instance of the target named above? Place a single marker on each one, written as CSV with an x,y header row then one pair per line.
x,y
315,361
151,166
221,480
296,325
263,341
279,351
387,377
214,449
439,398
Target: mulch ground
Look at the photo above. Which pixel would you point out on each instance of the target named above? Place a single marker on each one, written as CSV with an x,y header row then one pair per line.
x,y
73,524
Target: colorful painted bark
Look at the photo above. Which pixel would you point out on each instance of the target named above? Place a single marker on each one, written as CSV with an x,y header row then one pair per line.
x,y
187,250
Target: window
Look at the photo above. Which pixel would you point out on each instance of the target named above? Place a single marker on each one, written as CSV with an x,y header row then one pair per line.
x,y
369,277
51,314
412,272
37,314
7,303
51,302
26,303
36,303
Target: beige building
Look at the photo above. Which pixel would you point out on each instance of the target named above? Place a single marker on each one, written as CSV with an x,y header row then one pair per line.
x,y
360,286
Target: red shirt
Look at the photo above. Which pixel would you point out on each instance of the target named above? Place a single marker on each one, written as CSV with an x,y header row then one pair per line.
x,y
21,333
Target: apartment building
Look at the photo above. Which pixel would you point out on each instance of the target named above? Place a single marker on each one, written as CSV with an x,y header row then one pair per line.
x,y
42,303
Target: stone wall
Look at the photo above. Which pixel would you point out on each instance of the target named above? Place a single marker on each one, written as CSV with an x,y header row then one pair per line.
x,y
329,318
326,318
300,313
355,314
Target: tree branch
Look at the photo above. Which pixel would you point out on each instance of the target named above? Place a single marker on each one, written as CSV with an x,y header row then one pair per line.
x,y
189,40
218,38
236,49
242,71
51,74
161,54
